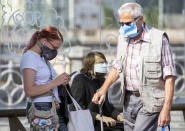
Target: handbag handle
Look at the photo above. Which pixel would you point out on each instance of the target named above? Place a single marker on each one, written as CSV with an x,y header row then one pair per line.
x,y
77,106
163,128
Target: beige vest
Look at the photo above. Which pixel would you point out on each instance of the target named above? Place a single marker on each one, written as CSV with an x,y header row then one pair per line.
x,y
150,70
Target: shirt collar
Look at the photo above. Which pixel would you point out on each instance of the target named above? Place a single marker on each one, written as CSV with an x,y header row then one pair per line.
x,y
145,35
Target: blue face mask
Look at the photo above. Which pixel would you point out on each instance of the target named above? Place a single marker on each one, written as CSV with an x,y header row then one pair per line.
x,y
130,30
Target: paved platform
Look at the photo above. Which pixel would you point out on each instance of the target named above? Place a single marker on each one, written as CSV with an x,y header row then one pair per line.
x,y
177,122
4,123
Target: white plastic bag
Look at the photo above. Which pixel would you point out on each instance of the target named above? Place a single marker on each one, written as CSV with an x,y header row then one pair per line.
x,y
79,120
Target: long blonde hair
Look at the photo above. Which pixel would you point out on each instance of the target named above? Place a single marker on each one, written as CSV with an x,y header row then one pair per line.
x,y
89,61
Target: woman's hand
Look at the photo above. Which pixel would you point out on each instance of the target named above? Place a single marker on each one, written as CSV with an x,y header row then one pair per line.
x,y
62,79
120,118
108,120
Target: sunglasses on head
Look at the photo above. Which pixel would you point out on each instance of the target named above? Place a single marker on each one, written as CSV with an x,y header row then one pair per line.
x,y
128,23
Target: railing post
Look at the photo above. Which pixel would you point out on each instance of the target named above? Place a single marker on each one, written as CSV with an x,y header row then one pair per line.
x,y
15,124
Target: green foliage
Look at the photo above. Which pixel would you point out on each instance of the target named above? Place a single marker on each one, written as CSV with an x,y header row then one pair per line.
x,y
151,16
8,27
16,78
109,19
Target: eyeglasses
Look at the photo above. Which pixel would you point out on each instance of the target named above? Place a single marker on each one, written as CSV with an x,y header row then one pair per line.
x,y
54,48
128,23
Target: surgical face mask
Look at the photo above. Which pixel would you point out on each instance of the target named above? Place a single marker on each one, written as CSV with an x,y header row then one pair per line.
x,y
131,30
47,53
100,68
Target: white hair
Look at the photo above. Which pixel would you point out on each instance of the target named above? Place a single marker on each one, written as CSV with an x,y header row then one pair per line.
x,y
133,8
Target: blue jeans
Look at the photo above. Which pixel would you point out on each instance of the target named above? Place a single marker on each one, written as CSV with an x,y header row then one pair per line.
x,y
47,106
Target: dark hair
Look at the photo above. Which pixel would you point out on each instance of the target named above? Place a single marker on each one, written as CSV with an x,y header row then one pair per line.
x,y
50,33
89,60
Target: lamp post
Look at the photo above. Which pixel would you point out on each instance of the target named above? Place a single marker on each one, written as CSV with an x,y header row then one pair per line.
x,y
161,15
71,14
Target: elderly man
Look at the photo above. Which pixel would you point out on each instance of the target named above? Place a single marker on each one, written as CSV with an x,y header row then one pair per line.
x,y
146,69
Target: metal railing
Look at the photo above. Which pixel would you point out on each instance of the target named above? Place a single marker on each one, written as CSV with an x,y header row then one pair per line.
x,y
12,95
13,100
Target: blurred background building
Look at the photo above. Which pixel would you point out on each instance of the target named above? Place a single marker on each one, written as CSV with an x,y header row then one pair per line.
x,y
87,25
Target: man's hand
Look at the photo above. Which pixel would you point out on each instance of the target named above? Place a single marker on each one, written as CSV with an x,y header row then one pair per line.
x,y
164,117
98,97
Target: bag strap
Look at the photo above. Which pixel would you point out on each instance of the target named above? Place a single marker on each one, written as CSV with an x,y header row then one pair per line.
x,y
77,106
48,64
49,93
163,128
